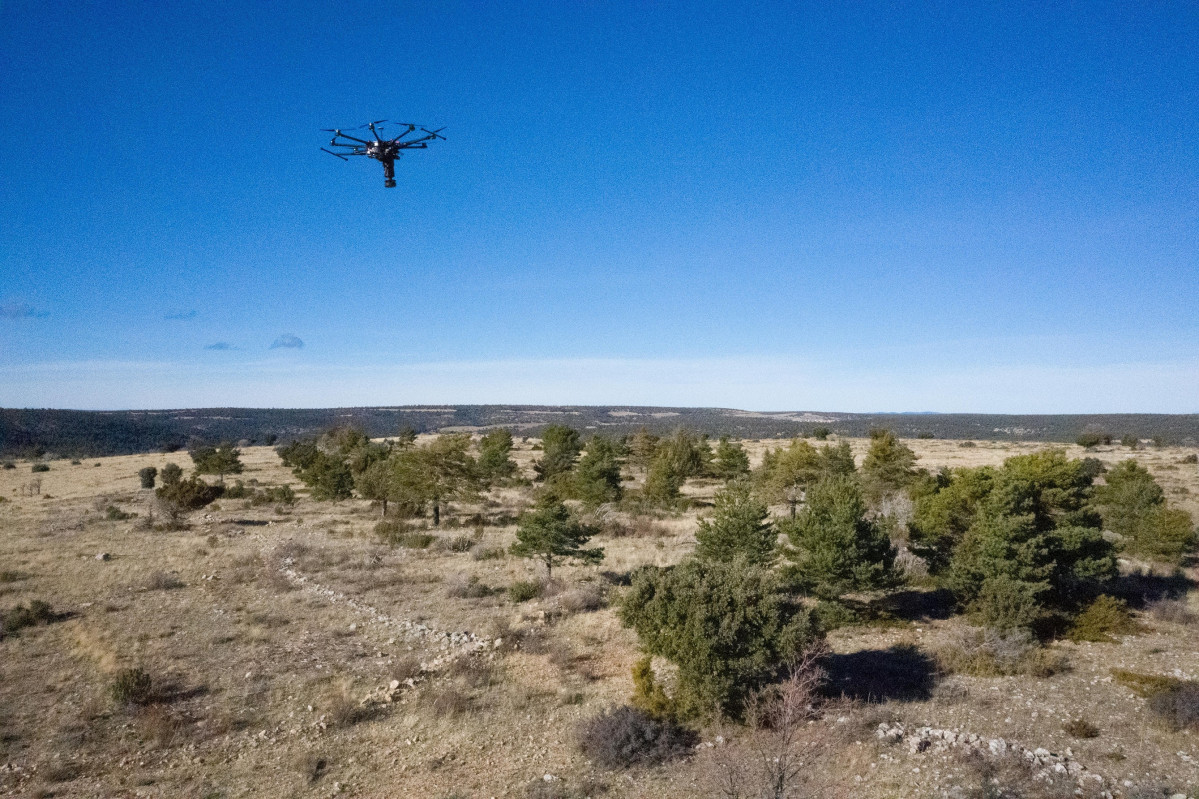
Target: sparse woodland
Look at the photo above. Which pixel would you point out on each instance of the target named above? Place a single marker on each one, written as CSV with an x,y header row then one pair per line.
x,y
476,614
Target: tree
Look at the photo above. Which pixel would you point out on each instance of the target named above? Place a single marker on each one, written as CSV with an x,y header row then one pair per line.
x,y
327,477
731,460
552,534
944,508
298,454
729,627
171,473
821,433
786,474
495,461
642,447
560,448
1133,505
147,475
597,477
375,483
835,548
664,481
1034,529
739,527
220,460
1130,441
449,471
406,437
889,464
691,454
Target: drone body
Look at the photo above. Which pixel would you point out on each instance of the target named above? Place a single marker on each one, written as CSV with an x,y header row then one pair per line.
x,y
385,151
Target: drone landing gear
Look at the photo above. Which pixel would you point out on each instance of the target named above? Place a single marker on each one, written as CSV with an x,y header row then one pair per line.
x,y
389,173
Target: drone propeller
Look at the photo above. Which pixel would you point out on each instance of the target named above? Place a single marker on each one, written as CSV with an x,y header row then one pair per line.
x,y
434,133
339,155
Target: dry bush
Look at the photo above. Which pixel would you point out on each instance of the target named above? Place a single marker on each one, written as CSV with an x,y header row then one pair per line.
x,y
473,671
447,701
1013,777
1081,728
1177,708
488,553
406,667
541,788
459,543
1175,611
462,586
22,616
132,687
583,599
989,653
162,581
345,711
624,736
1103,618
160,725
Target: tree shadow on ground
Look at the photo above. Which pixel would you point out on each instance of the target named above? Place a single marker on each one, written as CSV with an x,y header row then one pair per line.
x,y
901,672
916,605
1139,588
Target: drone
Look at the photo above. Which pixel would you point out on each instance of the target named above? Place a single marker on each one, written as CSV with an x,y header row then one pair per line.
x,y
386,151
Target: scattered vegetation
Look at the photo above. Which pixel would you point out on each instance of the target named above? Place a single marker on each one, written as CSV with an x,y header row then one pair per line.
x,y
524,590
990,653
1081,728
40,467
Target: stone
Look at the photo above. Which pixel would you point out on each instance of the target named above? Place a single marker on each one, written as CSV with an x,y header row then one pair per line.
x,y
103,556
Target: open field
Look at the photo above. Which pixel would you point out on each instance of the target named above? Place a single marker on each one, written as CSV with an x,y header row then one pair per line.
x,y
292,654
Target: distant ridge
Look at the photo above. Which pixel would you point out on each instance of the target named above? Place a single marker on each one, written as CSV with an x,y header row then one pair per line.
x,y
96,433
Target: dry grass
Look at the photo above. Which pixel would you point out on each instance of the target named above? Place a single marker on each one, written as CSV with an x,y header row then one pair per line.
x,y
238,653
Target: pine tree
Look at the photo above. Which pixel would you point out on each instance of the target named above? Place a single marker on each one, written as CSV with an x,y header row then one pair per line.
x,y
551,534
495,461
597,477
560,448
835,548
731,460
739,527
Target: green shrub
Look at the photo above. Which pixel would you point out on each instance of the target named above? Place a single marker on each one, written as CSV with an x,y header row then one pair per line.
x,y
1146,685
22,616
1103,618
1089,439
524,590
9,465
415,540
625,736
1006,604
147,476
648,696
132,686
1130,441
729,627
237,491
114,514
40,467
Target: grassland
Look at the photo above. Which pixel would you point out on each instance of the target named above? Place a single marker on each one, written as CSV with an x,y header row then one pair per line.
x,y
292,654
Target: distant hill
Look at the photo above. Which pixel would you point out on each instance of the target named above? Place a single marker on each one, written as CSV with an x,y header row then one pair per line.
x,y
96,433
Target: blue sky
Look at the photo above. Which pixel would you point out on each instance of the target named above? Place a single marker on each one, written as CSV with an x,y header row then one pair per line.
x,y
854,207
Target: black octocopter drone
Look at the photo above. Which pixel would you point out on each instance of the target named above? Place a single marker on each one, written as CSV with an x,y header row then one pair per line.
x,y
383,150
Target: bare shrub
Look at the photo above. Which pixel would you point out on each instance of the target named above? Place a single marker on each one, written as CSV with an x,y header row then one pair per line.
x,y
406,667
448,702
624,736
910,565
162,581
132,686
1175,611
1081,728
488,553
461,586
990,653
459,543
1177,708
584,599
775,766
